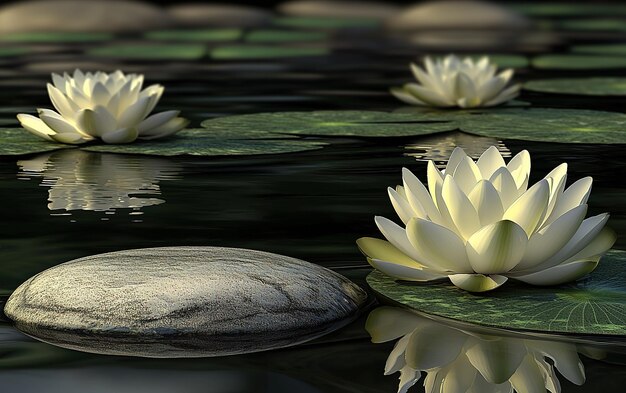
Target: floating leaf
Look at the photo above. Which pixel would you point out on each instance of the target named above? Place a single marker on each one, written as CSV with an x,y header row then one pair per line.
x,y
604,49
200,142
8,51
326,22
594,24
18,142
568,9
581,86
286,36
578,62
506,61
265,52
150,51
329,123
594,305
545,125
53,37
534,124
195,35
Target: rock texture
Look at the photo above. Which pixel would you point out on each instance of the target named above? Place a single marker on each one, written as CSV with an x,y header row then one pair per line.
x,y
457,14
339,8
183,302
80,16
219,15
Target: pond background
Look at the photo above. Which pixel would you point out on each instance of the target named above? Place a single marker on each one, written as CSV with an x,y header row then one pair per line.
x,y
310,205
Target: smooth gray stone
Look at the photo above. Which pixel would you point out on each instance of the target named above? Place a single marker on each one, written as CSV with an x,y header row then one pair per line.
x,y
457,14
183,302
339,8
219,15
80,16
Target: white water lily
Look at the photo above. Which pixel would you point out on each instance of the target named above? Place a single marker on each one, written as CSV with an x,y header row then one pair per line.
x,y
454,82
456,360
479,224
109,107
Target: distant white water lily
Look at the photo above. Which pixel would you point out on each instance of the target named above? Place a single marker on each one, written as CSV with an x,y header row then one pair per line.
x,y
109,107
454,82
479,224
462,361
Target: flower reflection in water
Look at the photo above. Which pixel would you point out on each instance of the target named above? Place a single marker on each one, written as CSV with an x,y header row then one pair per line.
x,y
439,148
80,180
457,360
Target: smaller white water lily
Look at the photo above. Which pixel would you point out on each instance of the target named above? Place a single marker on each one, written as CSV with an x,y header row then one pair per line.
x,y
478,224
110,107
456,360
453,82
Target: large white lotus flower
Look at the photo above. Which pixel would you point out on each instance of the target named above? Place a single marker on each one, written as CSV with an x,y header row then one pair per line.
x,y
463,361
451,82
109,107
480,225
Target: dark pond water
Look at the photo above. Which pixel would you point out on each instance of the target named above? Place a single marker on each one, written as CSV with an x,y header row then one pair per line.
x,y
313,205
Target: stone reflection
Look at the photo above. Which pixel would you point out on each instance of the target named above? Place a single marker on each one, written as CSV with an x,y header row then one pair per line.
x,y
80,180
438,148
457,360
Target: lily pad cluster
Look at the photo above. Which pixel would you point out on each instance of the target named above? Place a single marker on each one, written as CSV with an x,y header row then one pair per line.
x,y
277,132
532,124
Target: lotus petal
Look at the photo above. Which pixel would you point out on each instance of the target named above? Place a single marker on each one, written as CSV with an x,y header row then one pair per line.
x,y
561,273
461,210
528,210
497,248
477,282
36,126
406,97
552,238
486,201
398,237
401,206
403,272
123,135
441,248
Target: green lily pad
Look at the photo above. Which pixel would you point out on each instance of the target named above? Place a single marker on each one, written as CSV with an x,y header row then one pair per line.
x,y
533,124
581,86
286,36
312,22
595,305
8,51
150,51
213,35
200,142
604,49
329,123
578,62
568,9
52,37
594,24
506,61
265,52
18,142
196,142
